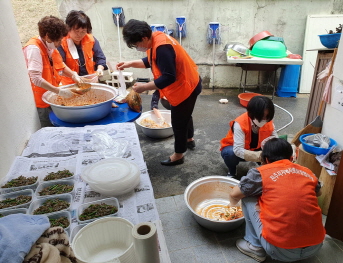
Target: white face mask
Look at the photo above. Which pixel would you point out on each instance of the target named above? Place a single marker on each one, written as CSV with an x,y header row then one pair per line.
x,y
259,123
142,49
50,46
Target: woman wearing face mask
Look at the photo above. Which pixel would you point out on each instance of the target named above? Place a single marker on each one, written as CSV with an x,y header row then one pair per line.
x,y
247,132
80,50
45,65
175,77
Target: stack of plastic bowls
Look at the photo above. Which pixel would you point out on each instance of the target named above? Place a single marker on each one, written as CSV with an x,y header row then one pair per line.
x,y
112,176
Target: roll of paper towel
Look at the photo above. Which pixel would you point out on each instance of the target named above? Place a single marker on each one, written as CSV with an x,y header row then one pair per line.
x,y
146,242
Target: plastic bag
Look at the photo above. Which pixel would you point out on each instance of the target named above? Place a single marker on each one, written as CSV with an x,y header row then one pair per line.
x,y
318,140
107,147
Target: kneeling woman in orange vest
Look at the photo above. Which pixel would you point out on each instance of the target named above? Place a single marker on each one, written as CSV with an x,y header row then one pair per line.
x,y
247,132
280,206
45,65
80,50
175,77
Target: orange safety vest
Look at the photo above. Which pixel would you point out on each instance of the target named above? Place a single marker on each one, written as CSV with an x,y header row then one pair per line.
x,y
87,44
290,215
49,73
244,121
187,77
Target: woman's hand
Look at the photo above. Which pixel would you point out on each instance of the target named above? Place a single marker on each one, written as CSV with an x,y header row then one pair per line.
x,y
139,87
122,65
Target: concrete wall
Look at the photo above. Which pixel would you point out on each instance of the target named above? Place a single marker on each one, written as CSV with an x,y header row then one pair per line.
x,y
240,20
18,118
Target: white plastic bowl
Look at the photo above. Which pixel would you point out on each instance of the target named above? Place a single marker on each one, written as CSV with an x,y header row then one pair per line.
x,y
112,176
105,240
157,133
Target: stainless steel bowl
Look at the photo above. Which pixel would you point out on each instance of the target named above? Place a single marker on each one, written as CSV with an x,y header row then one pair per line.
x,y
157,133
240,48
208,191
85,113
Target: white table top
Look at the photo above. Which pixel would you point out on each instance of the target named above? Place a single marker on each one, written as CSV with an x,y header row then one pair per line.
x,y
257,60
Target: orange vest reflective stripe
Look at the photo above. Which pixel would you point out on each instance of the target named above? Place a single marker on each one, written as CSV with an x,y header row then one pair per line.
x,y
50,73
244,121
290,215
187,76
87,44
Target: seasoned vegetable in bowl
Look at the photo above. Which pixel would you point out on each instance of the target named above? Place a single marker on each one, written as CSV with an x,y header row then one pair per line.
x,y
58,175
62,222
88,212
20,181
50,206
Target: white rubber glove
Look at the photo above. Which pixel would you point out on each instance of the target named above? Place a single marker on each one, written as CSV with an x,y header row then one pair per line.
x,y
66,93
76,77
252,156
100,72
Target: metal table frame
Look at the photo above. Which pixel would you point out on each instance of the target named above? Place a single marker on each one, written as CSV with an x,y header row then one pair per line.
x,y
261,64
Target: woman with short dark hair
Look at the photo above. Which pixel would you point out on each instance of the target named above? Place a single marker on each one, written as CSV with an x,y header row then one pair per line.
x,y
175,77
246,133
45,65
280,206
80,50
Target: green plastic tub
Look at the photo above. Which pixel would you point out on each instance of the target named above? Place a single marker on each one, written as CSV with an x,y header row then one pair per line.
x,y
269,49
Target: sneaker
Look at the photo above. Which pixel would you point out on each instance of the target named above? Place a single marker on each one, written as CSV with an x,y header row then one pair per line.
x,y
231,176
246,248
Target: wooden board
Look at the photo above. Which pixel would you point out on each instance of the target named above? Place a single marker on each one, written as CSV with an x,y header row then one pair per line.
x,y
328,184
309,160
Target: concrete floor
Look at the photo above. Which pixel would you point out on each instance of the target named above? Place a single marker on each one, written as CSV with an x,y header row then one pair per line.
x,y
211,124
189,242
186,240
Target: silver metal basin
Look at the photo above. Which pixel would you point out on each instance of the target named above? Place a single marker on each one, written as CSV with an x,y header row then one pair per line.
x,y
157,133
209,191
87,112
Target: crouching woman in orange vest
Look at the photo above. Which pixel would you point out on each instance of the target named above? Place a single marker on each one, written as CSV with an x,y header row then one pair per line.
x,y
45,65
280,206
247,132
175,77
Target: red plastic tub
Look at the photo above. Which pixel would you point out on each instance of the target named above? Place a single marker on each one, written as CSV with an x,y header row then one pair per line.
x,y
244,98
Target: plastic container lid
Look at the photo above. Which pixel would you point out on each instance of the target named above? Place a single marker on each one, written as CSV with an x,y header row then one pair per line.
x,y
107,170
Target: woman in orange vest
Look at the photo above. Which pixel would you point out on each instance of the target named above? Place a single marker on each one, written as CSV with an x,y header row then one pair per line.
x,y
247,132
280,206
80,50
175,77
45,65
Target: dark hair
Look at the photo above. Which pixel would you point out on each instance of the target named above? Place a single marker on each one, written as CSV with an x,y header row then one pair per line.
x,y
52,26
276,149
78,19
134,31
257,105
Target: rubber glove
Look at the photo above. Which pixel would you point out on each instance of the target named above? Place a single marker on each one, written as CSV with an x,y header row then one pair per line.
x,y
100,72
66,93
252,156
76,77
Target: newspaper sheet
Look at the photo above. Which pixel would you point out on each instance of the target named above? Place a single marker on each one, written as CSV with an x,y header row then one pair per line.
x,y
54,149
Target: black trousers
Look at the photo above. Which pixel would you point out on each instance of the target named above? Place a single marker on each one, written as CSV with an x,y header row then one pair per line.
x,y
182,121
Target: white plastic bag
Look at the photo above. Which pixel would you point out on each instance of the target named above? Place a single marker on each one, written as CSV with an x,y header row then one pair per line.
x,y
107,147
122,86
318,140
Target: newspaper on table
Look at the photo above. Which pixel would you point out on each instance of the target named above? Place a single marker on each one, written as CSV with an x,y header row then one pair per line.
x,y
54,149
